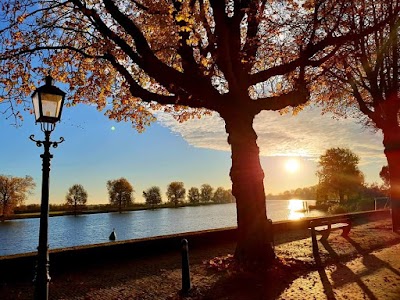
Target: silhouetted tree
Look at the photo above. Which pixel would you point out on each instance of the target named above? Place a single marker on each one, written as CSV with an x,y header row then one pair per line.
x,y
13,192
76,197
365,83
206,193
120,193
374,190
222,195
152,196
194,195
338,173
187,58
176,192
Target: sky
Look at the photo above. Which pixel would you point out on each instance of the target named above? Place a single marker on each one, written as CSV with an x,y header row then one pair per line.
x,y
97,149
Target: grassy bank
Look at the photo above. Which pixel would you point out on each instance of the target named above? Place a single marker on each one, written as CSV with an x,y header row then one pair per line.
x,y
62,210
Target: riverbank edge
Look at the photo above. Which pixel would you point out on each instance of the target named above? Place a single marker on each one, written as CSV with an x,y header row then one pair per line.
x,y
21,266
139,207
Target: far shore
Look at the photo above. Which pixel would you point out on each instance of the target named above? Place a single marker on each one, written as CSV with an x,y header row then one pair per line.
x,y
89,210
62,210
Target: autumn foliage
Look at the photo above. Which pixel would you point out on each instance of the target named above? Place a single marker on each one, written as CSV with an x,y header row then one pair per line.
x,y
13,192
186,58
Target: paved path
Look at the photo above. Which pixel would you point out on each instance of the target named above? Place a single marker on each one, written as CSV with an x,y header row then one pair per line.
x,y
373,276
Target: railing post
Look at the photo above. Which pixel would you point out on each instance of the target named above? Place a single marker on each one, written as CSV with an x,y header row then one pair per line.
x,y
186,285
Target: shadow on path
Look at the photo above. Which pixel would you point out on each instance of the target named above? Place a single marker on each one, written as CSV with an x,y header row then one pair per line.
x,y
324,278
344,275
371,261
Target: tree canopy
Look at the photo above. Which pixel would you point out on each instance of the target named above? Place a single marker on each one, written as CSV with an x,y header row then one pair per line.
x,y
176,192
187,58
222,195
194,195
338,174
152,196
198,54
13,192
206,192
120,192
76,196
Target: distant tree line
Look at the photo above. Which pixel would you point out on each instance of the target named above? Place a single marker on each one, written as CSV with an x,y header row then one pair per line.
x,y
120,192
306,193
339,182
176,195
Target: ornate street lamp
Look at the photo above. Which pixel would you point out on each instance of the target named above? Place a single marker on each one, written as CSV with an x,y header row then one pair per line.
x,y
47,101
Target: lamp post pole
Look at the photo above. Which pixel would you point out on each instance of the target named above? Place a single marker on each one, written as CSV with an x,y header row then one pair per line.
x,y
42,277
47,102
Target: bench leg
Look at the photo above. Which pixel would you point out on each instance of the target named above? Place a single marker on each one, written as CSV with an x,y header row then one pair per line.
x,y
325,234
346,230
314,241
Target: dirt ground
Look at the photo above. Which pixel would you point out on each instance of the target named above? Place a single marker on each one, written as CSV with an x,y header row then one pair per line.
x,y
365,265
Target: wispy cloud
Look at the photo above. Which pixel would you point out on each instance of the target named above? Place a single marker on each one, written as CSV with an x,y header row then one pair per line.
x,y
308,134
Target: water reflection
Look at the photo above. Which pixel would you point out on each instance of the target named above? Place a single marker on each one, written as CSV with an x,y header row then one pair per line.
x,y
21,236
297,209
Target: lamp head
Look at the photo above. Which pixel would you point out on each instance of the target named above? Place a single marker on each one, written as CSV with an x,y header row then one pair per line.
x,y
48,101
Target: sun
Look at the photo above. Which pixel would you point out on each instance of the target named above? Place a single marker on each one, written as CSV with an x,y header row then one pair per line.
x,y
292,165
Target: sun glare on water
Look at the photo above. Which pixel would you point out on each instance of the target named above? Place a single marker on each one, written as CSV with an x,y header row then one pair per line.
x,y
292,165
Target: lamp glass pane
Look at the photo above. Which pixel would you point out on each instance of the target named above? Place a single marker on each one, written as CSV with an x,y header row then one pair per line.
x,y
36,108
51,105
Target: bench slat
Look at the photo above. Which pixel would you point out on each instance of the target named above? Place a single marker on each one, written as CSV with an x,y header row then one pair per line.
x,y
333,226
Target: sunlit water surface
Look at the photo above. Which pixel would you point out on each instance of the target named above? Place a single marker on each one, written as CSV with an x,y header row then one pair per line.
x,y
21,236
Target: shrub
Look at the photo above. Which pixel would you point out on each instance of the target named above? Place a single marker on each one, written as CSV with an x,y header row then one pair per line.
x,y
338,209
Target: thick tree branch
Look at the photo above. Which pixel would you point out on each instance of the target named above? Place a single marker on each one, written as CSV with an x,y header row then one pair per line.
x,y
185,51
294,98
223,58
227,32
147,96
165,75
107,32
312,49
251,44
373,115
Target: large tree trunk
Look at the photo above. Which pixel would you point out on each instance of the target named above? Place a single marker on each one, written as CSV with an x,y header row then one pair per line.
x,y
391,141
254,245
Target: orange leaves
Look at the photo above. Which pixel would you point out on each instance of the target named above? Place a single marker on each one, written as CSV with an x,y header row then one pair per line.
x,y
309,4
169,49
21,18
221,263
17,36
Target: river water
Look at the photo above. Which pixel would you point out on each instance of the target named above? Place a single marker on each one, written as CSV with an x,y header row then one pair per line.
x,y
21,236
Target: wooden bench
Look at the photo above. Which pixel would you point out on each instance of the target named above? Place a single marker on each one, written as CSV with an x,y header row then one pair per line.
x,y
325,226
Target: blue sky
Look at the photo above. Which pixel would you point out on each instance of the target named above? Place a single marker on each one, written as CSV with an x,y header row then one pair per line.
x,y
195,152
